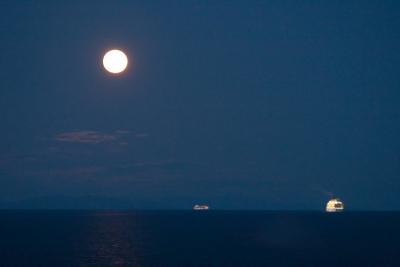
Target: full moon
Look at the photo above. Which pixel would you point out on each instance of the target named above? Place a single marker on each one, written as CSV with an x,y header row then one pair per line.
x,y
115,61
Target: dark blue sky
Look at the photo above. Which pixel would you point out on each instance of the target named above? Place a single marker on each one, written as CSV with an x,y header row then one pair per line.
x,y
238,104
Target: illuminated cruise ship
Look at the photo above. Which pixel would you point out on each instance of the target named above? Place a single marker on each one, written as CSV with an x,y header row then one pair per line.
x,y
200,207
334,205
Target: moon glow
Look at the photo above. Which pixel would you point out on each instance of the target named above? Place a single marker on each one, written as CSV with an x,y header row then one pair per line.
x,y
115,61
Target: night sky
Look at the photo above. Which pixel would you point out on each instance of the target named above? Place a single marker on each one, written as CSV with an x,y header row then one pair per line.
x,y
237,104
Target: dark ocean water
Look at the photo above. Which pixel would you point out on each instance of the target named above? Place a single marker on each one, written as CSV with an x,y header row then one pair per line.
x,y
190,238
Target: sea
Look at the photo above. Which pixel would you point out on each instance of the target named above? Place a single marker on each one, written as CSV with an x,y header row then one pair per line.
x,y
58,238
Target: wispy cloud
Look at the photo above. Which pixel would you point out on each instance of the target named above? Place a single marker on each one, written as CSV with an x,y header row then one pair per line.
x,y
96,137
91,137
